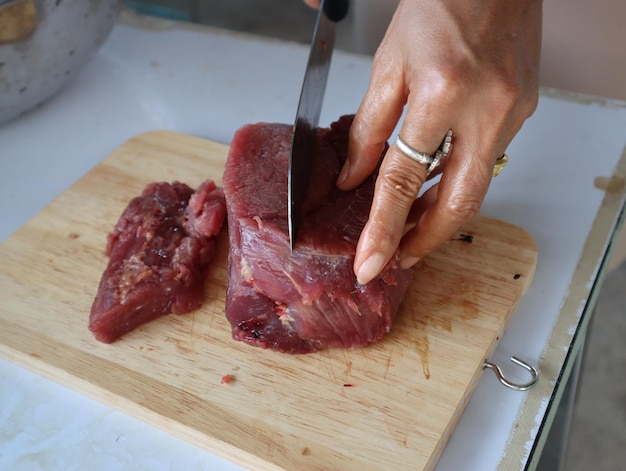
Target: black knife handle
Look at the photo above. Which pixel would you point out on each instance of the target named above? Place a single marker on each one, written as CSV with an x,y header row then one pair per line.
x,y
335,10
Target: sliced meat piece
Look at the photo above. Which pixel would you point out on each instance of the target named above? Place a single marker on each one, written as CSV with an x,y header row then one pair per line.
x,y
159,251
306,300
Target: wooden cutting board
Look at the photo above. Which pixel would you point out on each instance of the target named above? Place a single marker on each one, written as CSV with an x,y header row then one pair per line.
x,y
392,405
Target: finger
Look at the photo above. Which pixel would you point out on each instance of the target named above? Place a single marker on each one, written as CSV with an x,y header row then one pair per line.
x,y
313,3
373,123
399,181
466,175
448,205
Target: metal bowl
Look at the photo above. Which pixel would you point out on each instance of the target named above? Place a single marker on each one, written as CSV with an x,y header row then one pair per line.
x,y
44,43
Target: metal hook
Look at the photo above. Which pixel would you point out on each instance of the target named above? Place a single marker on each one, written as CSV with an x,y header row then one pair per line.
x,y
509,384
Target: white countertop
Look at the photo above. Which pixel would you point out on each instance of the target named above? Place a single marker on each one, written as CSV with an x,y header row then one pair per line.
x,y
208,83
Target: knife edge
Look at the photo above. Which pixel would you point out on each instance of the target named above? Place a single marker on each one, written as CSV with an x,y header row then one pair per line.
x,y
307,118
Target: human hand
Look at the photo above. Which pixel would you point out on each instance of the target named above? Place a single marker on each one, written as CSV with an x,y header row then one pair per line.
x,y
463,65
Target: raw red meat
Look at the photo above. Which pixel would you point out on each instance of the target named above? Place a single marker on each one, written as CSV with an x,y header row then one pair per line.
x,y
308,300
159,251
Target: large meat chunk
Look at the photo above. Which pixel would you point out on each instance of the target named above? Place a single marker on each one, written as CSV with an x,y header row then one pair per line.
x,y
309,299
159,251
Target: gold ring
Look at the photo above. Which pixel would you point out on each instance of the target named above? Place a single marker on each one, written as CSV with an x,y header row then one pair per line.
x,y
500,164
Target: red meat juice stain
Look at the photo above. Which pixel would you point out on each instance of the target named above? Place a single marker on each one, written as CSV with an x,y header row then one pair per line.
x,y
469,238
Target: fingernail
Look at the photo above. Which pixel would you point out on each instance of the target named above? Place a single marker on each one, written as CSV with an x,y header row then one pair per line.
x,y
343,175
408,262
370,268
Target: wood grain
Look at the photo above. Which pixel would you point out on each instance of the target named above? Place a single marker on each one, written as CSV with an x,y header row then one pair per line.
x,y
392,405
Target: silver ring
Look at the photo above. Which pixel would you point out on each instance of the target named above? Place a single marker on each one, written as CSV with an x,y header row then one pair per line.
x,y
422,157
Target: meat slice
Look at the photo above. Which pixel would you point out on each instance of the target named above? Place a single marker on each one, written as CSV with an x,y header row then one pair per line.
x,y
306,300
159,251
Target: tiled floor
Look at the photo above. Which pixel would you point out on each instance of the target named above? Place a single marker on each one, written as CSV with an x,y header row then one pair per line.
x,y
597,437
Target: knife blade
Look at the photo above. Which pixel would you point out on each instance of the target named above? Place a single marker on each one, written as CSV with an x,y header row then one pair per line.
x,y
310,107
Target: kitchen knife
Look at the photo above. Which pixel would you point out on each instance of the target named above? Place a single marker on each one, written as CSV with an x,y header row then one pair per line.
x,y
309,108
